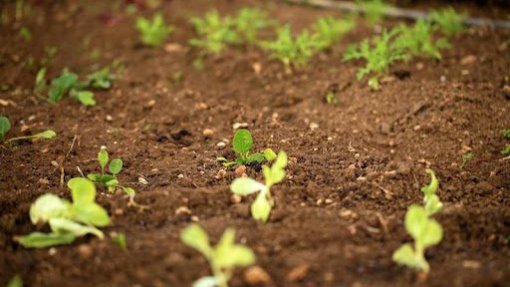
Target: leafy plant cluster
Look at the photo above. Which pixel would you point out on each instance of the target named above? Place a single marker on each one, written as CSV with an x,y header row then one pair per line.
x,y
506,135
67,220
241,145
5,127
153,32
400,44
68,84
425,230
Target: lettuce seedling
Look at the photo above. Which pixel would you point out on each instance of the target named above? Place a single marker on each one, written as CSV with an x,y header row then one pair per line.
x,y
214,33
248,22
101,79
5,126
292,50
448,20
418,41
47,134
506,134
374,9
425,231
223,258
242,144
379,53
431,200
67,220
467,156
261,207
153,33
109,180
328,30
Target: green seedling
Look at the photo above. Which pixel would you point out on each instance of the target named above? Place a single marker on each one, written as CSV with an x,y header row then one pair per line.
x,y
40,81
506,150
430,199
214,33
425,231
5,126
374,9
448,20
153,33
223,258
242,144
67,220
261,207
15,282
108,178
328,30
119,239
25,34
101,79
467,156
506,134
379,53
418,40
292,50
248,22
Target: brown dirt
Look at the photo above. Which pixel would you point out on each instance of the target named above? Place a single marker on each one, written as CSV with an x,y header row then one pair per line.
x,y
367,156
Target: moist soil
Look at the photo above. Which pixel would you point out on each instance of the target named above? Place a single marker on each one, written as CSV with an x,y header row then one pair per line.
x,y
354,167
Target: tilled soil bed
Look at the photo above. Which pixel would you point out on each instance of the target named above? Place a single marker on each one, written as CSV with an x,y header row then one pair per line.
x,y
354,168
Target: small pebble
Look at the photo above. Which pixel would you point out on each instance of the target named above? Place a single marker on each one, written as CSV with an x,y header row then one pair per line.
x,y
240,170
208,132
314,126
255,275
85,251
221,145
236,126
180,176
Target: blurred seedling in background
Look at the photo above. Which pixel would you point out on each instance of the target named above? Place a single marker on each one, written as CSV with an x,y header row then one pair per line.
x,y
466,156
243,186
15,282
21,9
108,178
291,50
25,34
153,33
418,40
242,144
120,240
379,53
506,134
425,231
223,258
67,220
374,10
214,33
448,20
328,30
248,22
101,79
5,126
431,201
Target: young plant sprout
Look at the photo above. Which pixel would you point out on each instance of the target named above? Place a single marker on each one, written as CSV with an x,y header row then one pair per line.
x,y
328,30
153,33
5,126
292,50
506,150
374,9
223,258
214,33
248,22
242,144
506,134
379,53
101,79
15,282
418,41
467,156
448,20
40,81
261,207
67,220
431,200
425,231
109,180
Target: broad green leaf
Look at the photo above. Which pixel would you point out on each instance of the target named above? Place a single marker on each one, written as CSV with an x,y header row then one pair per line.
x,y
86,98
66,226
432,235
261,208
48,206
61,85
433,205
115,166
5,126
245,185
222,249
195,237
242,141
236,255
42,240
91,213
255,157
269,154
15,282
415,221
430,189
103,157
83,191
404,255
208,281
281,161
48,134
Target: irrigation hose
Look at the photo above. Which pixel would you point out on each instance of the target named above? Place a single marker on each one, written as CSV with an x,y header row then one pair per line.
x,y
391,11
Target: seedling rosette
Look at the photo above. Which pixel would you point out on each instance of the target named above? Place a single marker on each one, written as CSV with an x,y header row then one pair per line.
x,y
241,145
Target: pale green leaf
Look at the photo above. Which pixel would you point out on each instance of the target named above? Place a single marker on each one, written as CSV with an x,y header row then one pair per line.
x,y
64,226
269,154
195,237
86,98
115,166
432,187
235,256
404,255
42,240
48,134
83,191
48,206
415,221
432,235
245,186
261,208
91,213
433,204
103,157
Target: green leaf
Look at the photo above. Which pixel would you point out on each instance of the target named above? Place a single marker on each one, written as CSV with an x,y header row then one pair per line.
x,y
404,255
91,213
236,255
61,85
15,282
245,186
255,157
242,142
103,157
433,234
40,80
83,191
120,240
261,208
5,126
433,205
66,226
269,154
48,134
430,189
281,161
115,166
415,221
48,206
42,240
86,98
195,237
